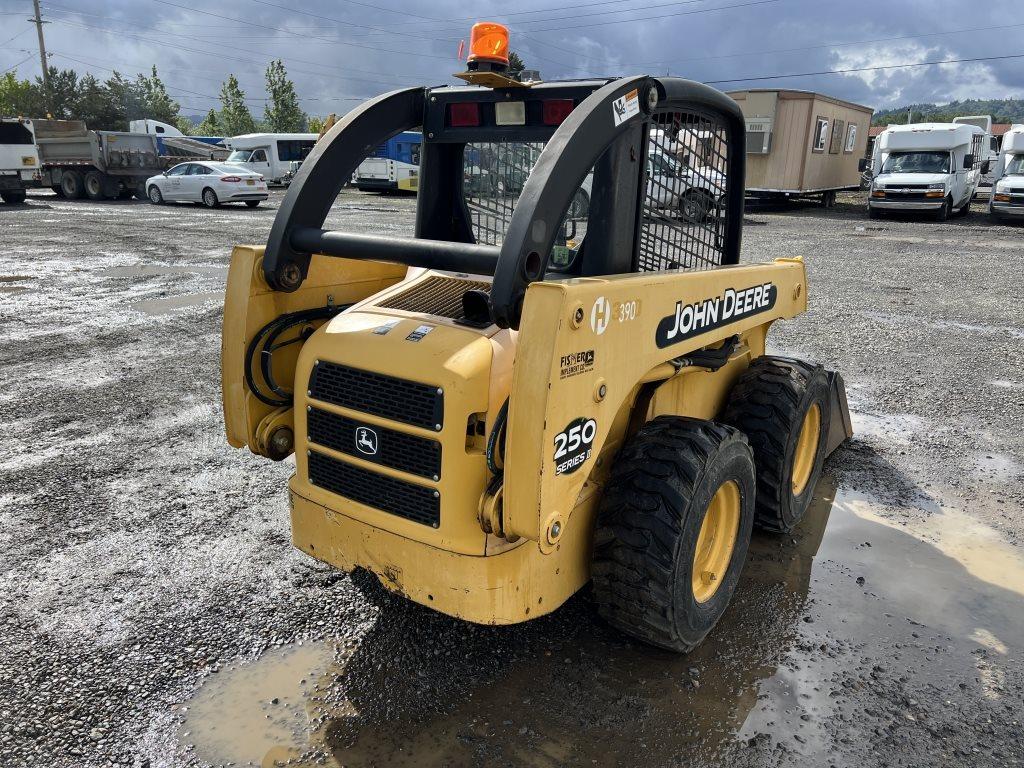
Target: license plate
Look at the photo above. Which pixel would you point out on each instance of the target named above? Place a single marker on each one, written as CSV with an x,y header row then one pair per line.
x,y
250,182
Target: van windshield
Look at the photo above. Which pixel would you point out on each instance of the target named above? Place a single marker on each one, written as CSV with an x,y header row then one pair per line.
x,y
239,156
916,162
1015,166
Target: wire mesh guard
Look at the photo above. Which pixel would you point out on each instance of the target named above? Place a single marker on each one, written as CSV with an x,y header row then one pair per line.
x,y
682,222
494,175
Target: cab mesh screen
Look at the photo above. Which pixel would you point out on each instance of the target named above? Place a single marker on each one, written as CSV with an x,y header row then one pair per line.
x,y
493,177
682,224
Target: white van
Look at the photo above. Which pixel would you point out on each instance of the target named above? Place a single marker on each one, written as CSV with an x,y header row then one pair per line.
x,y
1008,188
274,155
926,167
989,151
19,159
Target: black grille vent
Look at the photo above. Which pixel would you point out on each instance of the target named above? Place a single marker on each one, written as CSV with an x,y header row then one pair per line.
x,y
398,450
441,296
397,399
413,502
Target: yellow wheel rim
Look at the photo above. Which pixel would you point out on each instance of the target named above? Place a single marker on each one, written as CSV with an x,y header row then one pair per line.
x,y
716,541
806,449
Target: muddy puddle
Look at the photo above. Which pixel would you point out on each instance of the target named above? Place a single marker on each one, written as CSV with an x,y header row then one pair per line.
x,y
149,270
849,605
169,304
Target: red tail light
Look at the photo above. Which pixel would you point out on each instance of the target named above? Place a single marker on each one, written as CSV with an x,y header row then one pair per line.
x,y
230,178
464,115
556,110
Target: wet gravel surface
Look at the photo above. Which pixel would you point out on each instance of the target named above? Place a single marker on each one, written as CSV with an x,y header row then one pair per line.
x,y
153,612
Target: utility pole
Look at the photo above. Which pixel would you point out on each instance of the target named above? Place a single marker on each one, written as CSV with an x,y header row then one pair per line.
x,y
38,21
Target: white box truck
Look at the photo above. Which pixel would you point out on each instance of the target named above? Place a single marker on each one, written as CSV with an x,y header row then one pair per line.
x,y
19,159
1008,187
989,150
275,155
926,167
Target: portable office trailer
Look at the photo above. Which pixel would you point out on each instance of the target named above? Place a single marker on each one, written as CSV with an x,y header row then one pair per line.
x,y
802,144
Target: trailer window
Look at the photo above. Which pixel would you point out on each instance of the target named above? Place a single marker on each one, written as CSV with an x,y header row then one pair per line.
x,y
851,138
820,135
836,144
15,133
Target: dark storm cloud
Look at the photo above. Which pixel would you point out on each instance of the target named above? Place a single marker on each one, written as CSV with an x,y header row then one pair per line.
x,y
339,51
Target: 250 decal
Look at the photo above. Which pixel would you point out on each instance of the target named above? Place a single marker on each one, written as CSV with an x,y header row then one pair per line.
x,y
573,445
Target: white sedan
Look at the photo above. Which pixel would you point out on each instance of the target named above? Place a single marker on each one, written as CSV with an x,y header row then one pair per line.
x,y
208,183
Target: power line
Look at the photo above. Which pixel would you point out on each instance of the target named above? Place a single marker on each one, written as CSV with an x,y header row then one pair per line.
x,y
650,18
866,69
12,68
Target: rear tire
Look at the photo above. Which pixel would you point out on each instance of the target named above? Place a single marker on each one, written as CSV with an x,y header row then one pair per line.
x,y
71,184
252,203
783,407
94,185
14,197
696,205
679,504
210,198
57,190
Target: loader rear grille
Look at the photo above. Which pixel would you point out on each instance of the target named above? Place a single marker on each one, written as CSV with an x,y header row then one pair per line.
x,y
398,450
441,296
397,497
409,402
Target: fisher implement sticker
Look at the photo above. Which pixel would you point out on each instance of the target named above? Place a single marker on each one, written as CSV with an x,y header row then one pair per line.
x,y
576,363
625,107
688,320
574,444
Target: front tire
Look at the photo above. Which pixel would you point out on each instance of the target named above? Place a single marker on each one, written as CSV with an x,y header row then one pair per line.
x,y
14,197
210,198
156,197
673,528
696,205
943,213
783,407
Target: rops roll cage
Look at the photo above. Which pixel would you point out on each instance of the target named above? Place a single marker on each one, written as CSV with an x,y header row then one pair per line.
x,y
598,136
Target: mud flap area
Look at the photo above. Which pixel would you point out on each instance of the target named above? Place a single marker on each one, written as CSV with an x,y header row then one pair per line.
x,y
840,427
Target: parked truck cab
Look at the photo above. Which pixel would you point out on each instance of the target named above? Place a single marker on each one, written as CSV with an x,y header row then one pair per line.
x,y
19,159
932,167
1008,186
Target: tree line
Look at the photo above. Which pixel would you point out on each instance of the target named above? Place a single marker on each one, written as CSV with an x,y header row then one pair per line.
x,y
112,103
1002,111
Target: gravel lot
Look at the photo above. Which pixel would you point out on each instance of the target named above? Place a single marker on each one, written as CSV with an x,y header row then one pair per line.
x,y
153,612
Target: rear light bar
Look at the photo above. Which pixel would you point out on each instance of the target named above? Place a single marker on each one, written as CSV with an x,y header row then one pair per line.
x,y
464,114
556,110
230,178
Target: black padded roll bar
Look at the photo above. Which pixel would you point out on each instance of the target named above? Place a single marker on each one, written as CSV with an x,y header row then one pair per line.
x,y
327,168
416,252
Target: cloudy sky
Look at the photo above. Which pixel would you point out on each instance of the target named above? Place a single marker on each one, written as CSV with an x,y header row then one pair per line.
x,y
340,51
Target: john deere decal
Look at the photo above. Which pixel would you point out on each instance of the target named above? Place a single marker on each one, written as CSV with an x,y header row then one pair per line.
x,y
689,320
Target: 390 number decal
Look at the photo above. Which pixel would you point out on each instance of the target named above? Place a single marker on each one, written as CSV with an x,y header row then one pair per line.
x,y
573,445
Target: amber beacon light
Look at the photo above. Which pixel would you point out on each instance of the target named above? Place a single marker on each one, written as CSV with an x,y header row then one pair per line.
x,y
488,42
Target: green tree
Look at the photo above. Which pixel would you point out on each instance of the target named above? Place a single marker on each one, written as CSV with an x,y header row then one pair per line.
x,y
59,99
210,126
95,104
159,105
235,117
186,126
515,62
128,98
20,98
282,113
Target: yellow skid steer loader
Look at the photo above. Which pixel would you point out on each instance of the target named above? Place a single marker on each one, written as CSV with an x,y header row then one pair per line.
x,y
560,379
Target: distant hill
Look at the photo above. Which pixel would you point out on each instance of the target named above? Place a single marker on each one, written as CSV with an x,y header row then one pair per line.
x,y
1002,111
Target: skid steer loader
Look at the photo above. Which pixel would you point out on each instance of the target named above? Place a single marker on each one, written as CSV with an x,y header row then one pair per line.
x,y
533,392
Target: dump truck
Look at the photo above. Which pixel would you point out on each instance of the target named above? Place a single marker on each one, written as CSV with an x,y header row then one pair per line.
x,y
77,162
513,402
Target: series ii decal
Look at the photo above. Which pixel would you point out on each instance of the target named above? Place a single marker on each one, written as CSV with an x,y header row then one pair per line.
x,y
573,445
688,320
